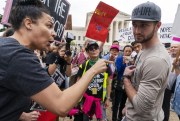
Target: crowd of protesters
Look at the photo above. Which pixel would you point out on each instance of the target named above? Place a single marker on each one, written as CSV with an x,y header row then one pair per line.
x,y
40,81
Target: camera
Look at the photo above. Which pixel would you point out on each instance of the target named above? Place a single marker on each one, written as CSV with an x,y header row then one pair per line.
x,y
69,37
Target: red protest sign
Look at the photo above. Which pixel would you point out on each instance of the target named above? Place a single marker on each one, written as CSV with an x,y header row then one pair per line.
x,y
97,32
100,21
47,116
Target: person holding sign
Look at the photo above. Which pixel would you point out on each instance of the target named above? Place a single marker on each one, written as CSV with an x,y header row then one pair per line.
x,y
22,78
146,81
59,66
94,100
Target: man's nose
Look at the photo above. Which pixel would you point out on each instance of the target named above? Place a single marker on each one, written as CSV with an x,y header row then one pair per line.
x,y
93,49
137,30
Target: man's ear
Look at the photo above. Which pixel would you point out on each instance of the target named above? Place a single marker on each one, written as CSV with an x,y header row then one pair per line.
x,y
28,23
158,24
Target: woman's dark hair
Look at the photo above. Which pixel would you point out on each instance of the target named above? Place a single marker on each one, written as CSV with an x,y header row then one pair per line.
x,y
26,8
8,32
115,41
128,46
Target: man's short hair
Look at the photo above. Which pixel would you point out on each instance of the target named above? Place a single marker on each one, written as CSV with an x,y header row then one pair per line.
x,y
134,42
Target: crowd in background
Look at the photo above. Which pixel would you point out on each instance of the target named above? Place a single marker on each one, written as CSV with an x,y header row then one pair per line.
x,y
55,61
134,78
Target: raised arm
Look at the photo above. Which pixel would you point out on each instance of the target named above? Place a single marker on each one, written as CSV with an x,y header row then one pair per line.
x,y
60,102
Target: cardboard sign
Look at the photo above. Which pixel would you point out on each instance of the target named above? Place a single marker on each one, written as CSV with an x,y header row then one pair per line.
x,y
126,35
59,10
100,21
165,33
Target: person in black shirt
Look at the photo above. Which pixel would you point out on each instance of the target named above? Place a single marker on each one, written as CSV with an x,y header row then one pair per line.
x,y
59,66
22,78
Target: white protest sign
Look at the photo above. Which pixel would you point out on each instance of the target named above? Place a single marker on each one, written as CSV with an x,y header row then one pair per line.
x,y
165,33
125,34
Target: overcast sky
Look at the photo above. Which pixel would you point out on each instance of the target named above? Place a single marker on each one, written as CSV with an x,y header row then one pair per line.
x,y
79,8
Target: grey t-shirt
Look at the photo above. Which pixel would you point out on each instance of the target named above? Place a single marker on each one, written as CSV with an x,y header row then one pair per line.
x,y
21,76
150,81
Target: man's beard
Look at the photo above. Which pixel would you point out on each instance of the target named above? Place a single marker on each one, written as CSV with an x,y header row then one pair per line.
x,y
147,38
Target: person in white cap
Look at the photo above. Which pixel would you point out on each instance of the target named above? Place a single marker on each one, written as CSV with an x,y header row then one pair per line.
x,y
146,81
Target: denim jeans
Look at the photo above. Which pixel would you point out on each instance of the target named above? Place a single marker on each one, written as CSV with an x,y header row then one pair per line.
x,y
176,98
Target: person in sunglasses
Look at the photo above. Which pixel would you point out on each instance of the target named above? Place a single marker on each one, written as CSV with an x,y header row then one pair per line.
x,y
96,97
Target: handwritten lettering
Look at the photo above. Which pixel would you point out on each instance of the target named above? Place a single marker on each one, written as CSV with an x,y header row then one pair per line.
x,y
126,34
125,29
59,9
59,28
46,2
165,36
166,29
131,37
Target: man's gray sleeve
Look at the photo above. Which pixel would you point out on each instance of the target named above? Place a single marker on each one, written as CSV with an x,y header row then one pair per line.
x,y
154,77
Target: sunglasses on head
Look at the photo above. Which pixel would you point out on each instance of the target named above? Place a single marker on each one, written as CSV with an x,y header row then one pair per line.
x,y
93,48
